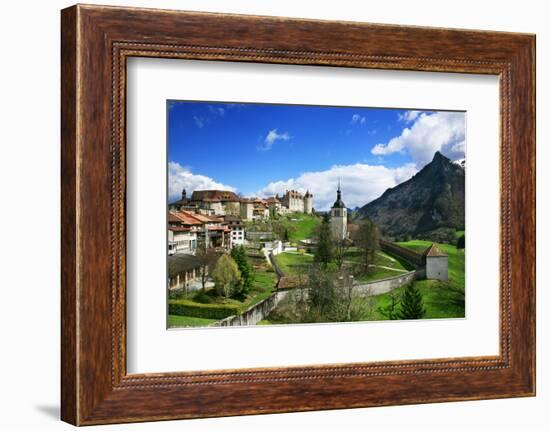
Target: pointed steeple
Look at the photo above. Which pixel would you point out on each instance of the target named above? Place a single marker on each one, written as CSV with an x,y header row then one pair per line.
x,y
339,203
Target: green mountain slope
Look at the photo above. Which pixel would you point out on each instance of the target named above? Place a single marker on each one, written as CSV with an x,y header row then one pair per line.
x,y
429,205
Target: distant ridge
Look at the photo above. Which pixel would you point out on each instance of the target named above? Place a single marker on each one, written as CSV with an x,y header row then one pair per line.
x,y
424,206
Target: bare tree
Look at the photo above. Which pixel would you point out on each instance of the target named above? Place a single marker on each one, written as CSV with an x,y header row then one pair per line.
x,y
340,250
207,261
367,239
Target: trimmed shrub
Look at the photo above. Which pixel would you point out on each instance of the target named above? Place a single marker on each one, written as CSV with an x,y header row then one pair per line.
x,y
202,297
184,307
177,294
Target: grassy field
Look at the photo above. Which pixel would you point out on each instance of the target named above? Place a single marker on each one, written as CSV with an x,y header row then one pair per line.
x,y
456,259
377,273
186,321
264,285
305,226
293,263
382,259
296,264
441,299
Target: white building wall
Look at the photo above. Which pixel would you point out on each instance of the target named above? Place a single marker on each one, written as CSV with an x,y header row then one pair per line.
x,y
237,236
185,242
437,268
339,222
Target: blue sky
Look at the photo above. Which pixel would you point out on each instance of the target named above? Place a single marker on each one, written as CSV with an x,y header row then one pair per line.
x,y
261,149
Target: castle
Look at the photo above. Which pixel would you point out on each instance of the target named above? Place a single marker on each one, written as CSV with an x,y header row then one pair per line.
x,y
294,201
223,202
339,217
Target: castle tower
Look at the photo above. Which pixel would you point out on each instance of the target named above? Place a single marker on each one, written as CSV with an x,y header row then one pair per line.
x,y
339,217
308,203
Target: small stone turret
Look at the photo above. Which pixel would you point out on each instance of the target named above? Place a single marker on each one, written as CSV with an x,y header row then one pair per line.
x,y
308,203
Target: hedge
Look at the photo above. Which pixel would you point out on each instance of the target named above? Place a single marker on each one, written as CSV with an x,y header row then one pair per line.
x,y
184,307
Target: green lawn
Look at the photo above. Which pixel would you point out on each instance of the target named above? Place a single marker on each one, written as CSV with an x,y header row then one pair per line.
x,y
456,259
186,321
264,285
376,273
441,299
293,263
305,226
382,258
296,264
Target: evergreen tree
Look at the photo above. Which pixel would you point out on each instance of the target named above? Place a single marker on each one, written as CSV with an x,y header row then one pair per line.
x,y
247,273
412,305
390,310
461,242
325,253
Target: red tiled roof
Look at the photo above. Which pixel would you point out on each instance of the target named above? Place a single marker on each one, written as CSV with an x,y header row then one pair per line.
x,y
179,229
204,219
183,217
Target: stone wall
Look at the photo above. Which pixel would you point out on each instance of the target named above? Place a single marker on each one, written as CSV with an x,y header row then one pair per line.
x,y
385,285
414,258
258,236
255,313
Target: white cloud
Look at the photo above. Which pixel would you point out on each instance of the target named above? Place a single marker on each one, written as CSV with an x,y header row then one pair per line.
x,y
430,132
199,121
271,137
216,110
361,183
181,177
358,119
408,116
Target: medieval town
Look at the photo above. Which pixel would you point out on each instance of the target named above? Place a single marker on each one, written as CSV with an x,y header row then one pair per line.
x,y
339,214
236,261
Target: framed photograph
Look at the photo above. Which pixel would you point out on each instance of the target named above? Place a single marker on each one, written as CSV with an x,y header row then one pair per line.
x,y
329,214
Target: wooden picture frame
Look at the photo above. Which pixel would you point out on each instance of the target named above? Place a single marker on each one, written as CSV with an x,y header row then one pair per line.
x,y
95,43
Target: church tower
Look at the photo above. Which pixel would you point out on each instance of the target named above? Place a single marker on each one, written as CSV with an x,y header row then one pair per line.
x,y
339,217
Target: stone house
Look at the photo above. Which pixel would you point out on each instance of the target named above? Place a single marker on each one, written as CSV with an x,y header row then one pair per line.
x,y
437,263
